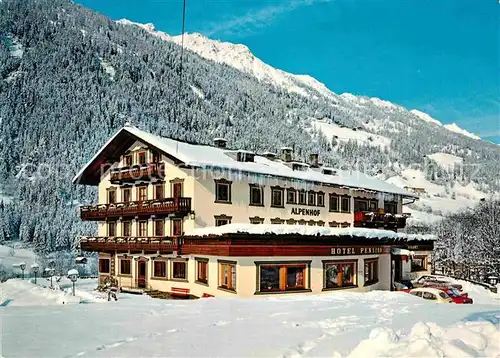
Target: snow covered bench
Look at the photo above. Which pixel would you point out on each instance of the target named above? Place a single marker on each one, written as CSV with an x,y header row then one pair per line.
x,y
180,292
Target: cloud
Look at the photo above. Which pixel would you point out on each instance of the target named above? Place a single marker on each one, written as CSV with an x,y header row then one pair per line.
x,y
256,19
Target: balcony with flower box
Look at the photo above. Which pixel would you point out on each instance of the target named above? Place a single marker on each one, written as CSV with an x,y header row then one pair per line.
x,y
177,207
380,219
137,172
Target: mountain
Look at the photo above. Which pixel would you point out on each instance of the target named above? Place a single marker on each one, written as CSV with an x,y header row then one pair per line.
x,y
451,127
69,78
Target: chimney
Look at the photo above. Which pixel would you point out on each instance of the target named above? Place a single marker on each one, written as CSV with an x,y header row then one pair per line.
x,y
220,142
314,160
286,154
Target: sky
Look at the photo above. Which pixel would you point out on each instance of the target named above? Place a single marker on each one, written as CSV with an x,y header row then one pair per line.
x,y
439,56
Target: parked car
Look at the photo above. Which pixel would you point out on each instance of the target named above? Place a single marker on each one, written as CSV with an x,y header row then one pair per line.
x,y
440,284
432,294
456,296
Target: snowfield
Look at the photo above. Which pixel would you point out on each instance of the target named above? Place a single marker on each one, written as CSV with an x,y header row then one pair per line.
x,y
375,324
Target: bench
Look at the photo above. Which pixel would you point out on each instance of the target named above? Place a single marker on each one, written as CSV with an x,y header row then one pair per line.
x,y
180,292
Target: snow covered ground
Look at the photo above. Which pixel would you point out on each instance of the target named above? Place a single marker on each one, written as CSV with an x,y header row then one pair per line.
x,y
345,134
330,325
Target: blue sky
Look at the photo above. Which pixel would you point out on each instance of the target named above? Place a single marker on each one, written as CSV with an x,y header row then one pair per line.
x,y
439,56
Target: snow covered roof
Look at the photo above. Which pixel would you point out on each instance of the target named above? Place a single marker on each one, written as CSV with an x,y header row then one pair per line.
x,y
263,229
204,156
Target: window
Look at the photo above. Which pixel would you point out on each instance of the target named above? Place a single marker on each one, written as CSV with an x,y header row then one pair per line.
x,y
416,293
277,197
373,205
227,275
202,270
282,277
127,228
125,267
321,199
142,193
311,198
290,222
360,205
222,220
291,196
159,269
176,227
126,197
339,274
277,221
159,193
334,202
333,224
320,223
177,189
256,195
428,296
256,220
371,272
142,158
418,263
103,265
127,160
302,197
222,191
111,196
142,228
179,270
159,228
156,157
346,204
111,228
390,207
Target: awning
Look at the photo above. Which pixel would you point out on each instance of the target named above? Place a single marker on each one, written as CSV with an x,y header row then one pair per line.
x,y
401,252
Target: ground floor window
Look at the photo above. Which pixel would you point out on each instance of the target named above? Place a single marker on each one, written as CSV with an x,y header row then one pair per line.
x,y
282,277
202,270
256,220
125,267
371,272
227,275
160,269
418,263
104,265
339,274
179,270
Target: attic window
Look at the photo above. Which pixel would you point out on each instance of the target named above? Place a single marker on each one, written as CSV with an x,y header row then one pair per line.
x,y
244,156
299,166
329,171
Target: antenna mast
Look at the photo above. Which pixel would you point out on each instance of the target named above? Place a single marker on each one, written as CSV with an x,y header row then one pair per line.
x,y
182,51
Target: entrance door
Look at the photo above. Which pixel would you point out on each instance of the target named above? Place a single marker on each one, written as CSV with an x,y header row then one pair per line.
x,y
397,268
141,274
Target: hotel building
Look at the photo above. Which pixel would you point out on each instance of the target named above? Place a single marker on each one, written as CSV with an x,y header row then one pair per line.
x,y
214,221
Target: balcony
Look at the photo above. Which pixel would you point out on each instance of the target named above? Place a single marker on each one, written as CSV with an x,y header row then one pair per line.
x,y
131,244
137,172
370,219
178,207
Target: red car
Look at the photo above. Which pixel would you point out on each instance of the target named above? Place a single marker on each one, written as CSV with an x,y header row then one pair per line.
x,y
456,296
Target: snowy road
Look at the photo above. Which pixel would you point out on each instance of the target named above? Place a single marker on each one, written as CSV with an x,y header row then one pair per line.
x,y
289,326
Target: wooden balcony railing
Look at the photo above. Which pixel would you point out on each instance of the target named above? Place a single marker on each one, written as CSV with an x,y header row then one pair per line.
x,y
379,219
153,243
128,174
179,207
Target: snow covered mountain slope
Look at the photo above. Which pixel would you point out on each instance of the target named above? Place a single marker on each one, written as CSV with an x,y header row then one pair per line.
x,y
368,122
453,127
240,57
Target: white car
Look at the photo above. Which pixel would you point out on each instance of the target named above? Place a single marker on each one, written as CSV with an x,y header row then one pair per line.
x,y
432,294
